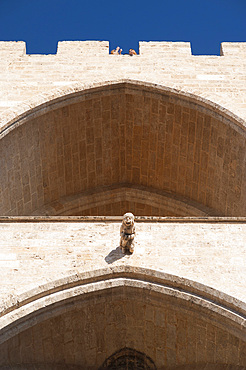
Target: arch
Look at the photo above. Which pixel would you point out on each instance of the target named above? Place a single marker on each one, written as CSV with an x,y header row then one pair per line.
x,y
128,358
133,307
118,134
43,102
115,200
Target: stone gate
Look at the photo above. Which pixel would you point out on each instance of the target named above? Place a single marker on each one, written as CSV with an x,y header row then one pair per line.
x,y
87,136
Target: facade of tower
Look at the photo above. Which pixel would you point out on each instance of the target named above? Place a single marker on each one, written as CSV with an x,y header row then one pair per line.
x,y
86,136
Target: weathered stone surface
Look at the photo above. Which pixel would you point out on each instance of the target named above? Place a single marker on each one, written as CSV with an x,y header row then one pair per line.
x,y
86,133
103,150
169,64
36,253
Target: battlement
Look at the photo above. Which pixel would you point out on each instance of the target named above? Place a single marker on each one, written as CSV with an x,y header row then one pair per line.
x,y
233,48
163,48
28,78
74,49
78,48
12,49
87,136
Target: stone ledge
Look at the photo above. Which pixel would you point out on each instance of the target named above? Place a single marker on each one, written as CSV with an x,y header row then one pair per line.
x,y
146,219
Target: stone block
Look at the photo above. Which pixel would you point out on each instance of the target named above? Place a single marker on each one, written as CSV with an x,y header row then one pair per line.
x,y
12,49
233,49
163,49
76,49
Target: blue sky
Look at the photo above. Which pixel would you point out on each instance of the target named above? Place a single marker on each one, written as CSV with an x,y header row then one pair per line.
x,y
42,23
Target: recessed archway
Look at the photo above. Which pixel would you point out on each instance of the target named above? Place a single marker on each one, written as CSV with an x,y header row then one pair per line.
x,y
83,320
128,358
124,135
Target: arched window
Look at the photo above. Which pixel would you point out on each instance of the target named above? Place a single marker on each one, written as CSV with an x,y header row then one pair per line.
x,y
128,359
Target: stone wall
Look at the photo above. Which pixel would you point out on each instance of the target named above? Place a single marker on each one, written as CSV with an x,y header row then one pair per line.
x,y
26,79
69,297
35,253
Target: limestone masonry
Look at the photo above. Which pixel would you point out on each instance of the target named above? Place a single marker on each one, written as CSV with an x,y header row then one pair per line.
x,y
86,136
29,79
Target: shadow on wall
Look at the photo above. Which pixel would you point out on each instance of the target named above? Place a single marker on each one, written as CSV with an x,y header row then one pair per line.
x,y
114,255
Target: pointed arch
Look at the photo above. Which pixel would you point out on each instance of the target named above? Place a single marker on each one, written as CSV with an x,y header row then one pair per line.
x,y
59,97
119,303
77,141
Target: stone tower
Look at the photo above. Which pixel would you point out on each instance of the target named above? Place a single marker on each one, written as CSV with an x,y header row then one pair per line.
x,y
86,136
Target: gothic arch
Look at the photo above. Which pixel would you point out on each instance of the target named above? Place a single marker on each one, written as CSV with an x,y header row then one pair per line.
x,y
128,359
44,102
123,134
84,319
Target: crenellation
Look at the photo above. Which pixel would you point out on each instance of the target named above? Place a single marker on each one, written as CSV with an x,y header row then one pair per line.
x,y
164,49
95,49
233,49
82,48
86,137
12,49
